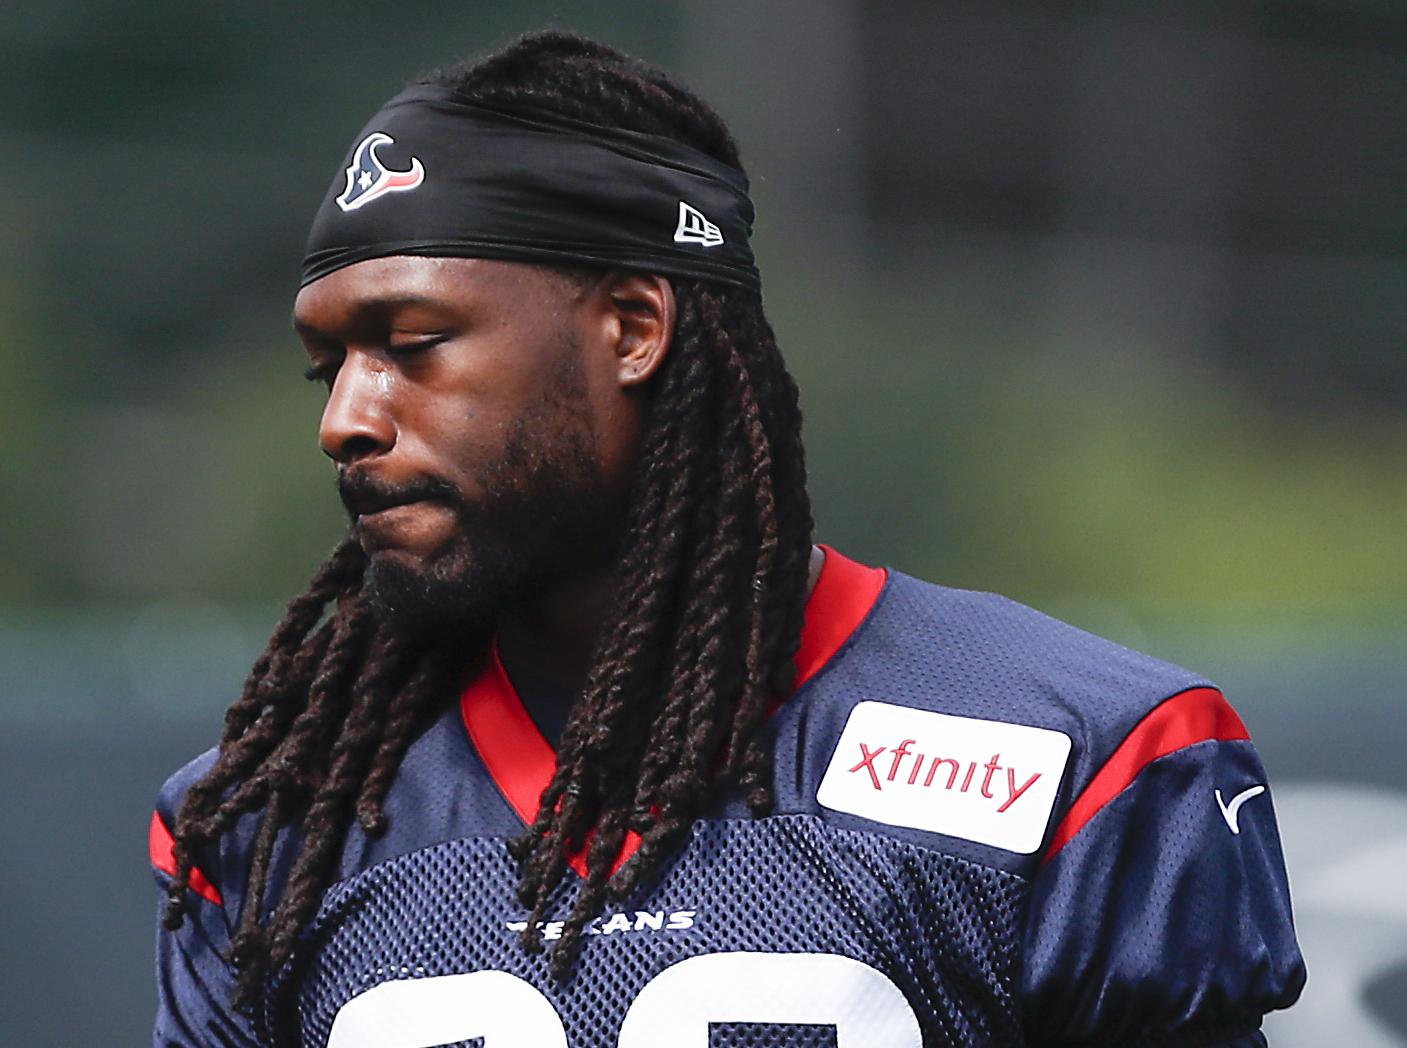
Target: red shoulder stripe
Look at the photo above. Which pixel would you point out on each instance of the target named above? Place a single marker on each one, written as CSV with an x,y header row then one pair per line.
x,y
163,857
1185,719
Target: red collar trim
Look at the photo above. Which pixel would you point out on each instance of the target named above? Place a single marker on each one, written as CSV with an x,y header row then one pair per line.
x,y
843,597
522,762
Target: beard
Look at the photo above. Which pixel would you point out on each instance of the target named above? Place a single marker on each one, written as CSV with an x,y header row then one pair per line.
x,y
543,515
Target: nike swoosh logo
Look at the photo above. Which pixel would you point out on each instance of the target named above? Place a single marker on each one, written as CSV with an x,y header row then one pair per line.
x,y
1231,812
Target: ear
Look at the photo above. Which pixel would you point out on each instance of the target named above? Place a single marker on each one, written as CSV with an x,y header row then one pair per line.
x,y
642,309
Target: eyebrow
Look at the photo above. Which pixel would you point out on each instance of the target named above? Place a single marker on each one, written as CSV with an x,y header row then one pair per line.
x,y
369,307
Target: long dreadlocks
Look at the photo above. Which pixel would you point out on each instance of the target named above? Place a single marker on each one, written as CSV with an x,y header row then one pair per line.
x,y
706,620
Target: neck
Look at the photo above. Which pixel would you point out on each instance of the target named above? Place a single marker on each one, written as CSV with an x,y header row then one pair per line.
x,y
555,637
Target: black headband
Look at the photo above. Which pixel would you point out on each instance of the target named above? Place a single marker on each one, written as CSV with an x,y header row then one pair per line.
x,y
430,175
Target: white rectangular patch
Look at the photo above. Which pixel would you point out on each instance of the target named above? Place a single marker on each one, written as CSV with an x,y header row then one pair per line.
x,y
981,780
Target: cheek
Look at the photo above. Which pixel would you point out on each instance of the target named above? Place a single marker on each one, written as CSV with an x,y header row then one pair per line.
x,y
453,437
617,426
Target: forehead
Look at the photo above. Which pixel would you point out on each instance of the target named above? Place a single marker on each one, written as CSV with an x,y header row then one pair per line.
x,y
447,285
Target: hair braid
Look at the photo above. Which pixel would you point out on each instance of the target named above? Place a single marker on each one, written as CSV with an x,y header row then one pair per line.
x,y
720,554
405,711
327,817
659,506
704,626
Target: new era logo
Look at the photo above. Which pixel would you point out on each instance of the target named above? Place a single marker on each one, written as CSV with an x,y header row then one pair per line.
x,y
694,228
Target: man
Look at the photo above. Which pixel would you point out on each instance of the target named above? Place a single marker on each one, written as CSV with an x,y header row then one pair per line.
x,y
578,679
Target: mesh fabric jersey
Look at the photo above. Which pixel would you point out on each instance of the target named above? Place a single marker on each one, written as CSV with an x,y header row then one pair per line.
x,y
990,829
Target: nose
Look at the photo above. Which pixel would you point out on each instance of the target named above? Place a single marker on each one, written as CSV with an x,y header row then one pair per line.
x,y
357,421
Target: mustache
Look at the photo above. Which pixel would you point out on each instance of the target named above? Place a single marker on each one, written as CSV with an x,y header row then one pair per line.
x,y
362,492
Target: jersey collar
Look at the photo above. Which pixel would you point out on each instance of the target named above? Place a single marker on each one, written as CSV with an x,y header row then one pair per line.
x,y
522,762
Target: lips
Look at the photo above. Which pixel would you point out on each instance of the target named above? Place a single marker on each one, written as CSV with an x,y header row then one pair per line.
x,y
387,528
365,494
415,514
372,507
419,527
365,499
385,512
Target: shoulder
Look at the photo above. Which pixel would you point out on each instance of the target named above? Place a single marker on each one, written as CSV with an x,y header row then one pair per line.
x,y
1122,788
194,978
982,656
439,792
219,870
945,700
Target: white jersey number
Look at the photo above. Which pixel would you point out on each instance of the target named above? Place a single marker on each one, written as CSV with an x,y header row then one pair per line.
x,y
422,1013
675,1008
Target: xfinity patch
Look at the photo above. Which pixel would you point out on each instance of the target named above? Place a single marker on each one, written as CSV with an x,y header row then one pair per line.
x,y
986,781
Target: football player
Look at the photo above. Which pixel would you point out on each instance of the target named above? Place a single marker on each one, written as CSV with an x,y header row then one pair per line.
x,y
578,740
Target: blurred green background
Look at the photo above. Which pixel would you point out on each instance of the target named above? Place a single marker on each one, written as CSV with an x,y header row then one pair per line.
x,y
1099,305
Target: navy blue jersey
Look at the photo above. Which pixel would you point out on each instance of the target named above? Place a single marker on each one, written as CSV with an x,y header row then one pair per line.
x,y
990,829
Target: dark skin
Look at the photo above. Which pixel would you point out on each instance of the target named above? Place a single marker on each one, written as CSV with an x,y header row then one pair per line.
x,y
430,363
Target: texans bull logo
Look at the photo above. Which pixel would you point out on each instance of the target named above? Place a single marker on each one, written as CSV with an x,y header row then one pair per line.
x,y
368,178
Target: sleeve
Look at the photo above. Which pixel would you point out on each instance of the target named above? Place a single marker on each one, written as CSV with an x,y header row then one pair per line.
x,y
1161,914
195,983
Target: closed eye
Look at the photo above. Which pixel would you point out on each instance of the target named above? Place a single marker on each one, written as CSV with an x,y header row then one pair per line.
x,y
400,349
